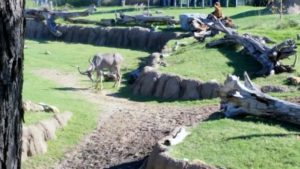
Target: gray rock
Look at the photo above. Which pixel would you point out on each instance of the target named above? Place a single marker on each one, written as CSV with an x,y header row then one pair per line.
x,y
190,89
172,88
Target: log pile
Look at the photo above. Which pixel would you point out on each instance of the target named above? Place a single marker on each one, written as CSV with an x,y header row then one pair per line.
x,y
245,98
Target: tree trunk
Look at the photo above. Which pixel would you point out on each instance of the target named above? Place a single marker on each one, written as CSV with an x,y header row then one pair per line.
x,y
281,10
11,81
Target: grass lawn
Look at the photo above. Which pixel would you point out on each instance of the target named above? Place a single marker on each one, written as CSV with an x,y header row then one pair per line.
x,y
245,143
40,89
35,117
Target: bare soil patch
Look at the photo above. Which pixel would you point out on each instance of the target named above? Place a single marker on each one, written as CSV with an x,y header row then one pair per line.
x,y
126,130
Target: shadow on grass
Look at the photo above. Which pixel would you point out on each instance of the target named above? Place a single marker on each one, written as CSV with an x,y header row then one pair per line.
x,y
130,165
250,13
240,61
70,89
243,137
270,122
259,120
126,92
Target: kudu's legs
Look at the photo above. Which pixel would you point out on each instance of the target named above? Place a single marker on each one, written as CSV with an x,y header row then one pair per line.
x,y
119,77
99,76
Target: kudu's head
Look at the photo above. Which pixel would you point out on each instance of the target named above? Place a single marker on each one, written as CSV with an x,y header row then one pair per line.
x,y
89,71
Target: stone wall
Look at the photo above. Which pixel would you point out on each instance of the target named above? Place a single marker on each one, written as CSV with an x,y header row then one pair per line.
x,y
132,37
35,137
168,86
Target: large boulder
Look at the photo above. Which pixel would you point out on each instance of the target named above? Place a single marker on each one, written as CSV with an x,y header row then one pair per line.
x,y
39,26
37,143
145,84
68,35
138,37
76,35
92,36
190,89
102,34
63,118
84,32
161,85
29,106
32,107
25,142
209,90
172,88
49,127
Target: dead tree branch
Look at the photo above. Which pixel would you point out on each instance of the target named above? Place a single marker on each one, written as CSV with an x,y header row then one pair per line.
x,y
245,98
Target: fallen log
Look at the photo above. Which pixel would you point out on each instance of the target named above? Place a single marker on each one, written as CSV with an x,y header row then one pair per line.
x,y
239,98
51,16
257,47
145,19
43,14
103,22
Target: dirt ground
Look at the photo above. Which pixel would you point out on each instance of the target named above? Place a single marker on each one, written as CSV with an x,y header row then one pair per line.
x,y
126,130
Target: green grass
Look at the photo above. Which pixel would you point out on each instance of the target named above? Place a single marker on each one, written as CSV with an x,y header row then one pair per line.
x,y
249,143
35,117
40,89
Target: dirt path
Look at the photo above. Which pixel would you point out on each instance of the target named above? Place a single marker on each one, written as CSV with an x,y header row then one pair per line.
x,y
126,130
